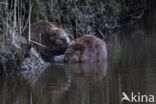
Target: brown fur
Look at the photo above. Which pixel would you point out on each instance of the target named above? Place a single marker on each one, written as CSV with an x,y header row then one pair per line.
x,y
86,49
53,40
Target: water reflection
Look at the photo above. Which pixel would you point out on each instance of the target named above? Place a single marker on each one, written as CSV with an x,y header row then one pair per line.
x,y
14,91
51,86
78,83
88,83
72,81
87,71
132,63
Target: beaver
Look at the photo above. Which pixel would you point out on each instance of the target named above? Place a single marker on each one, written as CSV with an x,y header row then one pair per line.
x,y
86,49
48,39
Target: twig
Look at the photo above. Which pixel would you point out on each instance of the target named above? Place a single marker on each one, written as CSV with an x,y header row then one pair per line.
x,y
103,36
38,43
15,19
29,38
27,22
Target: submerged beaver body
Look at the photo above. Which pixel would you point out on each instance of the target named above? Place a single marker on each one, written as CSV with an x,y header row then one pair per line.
x,y
48,39
86,49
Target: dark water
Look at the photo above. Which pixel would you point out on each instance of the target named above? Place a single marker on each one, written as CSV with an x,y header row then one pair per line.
x,y
131,67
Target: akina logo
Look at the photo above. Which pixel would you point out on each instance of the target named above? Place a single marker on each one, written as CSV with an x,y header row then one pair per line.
x,y
137,97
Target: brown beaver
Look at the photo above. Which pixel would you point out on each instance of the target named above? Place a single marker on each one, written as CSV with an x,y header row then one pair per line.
x,y
48,39
86,49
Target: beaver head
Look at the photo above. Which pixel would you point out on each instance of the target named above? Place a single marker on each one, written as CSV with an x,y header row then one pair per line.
x,y
75,53
48,39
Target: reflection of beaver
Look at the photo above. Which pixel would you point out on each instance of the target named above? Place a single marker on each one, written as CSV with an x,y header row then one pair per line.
x,y
52,40
88,79
86,49
54,81
87,71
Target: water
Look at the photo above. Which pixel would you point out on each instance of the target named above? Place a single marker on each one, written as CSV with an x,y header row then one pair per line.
x,y
131,67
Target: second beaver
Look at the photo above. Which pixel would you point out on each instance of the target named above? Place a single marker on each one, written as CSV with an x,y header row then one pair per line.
x,y
86,49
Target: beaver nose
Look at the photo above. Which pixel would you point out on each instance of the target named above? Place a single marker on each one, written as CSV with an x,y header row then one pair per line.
x,y
67,40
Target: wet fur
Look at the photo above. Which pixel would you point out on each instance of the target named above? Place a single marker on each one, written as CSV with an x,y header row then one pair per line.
x,y
86,49
52,39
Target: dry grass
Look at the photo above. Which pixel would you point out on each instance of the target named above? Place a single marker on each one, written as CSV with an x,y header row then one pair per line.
x,y
12,25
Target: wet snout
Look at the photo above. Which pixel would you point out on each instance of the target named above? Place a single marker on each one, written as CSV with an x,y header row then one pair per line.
x,y
67,41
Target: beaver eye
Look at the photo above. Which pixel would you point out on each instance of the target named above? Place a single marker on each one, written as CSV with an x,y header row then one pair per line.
x,y
48,30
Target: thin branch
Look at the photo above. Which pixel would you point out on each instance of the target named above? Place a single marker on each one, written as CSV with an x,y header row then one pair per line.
x,y
29,22
15,19
29,17
103,36
38,43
